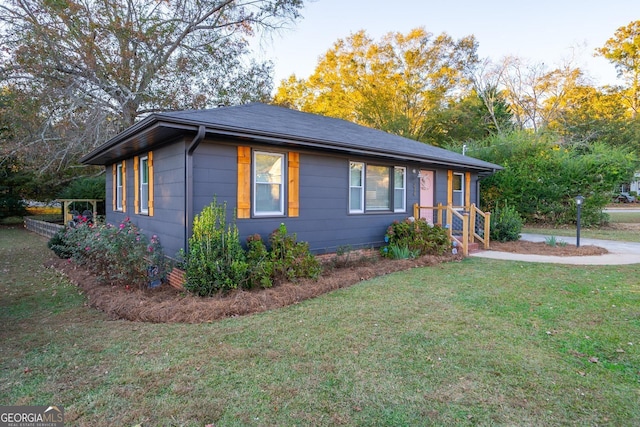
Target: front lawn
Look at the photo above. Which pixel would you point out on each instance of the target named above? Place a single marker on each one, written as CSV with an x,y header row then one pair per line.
x,y
478,342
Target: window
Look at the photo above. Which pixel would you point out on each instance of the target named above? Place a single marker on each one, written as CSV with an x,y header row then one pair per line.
x,y
119,183
268,191
144,184
376,188
458,189
356,187
399,189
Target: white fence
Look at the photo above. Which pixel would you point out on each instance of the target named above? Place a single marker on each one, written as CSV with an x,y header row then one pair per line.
x,y
43,228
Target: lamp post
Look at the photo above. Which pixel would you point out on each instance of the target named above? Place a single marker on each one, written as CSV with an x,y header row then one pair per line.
x,y
579,200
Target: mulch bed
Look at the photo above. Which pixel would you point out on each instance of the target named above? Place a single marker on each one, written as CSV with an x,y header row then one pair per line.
x,y
542,248
168,305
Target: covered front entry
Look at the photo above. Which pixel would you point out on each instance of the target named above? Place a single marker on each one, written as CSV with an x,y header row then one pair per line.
x,y
427,189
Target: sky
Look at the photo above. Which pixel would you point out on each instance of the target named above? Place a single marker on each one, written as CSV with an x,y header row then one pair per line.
x,y
547,31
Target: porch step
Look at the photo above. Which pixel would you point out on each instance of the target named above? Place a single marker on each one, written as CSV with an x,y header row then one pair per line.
x,y
474,247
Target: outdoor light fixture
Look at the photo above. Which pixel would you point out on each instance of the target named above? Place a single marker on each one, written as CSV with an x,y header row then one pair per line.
x,y
579,200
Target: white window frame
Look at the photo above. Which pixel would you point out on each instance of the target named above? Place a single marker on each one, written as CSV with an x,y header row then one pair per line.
x,y
403,190
362,189
119,182
359,188
460,192
144,201
255,183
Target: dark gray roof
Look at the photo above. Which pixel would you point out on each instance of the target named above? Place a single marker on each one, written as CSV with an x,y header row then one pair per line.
x,y
281,126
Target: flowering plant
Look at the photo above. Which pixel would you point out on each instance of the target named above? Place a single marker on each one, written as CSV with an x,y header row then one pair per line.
x,y
120,255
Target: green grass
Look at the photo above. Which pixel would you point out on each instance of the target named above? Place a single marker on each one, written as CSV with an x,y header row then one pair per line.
x,y
607,233
480,342
625,217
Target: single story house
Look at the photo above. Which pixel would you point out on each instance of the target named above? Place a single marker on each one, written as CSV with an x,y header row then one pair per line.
x,y
332,182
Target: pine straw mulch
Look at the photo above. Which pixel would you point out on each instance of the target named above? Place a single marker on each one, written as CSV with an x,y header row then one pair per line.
x,y
168,305
542,248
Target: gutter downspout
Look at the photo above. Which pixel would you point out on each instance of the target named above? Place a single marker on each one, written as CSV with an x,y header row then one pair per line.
x,y
188,185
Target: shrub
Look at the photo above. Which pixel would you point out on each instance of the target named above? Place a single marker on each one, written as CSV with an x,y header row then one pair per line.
x,y
291,259
415,237
506,224
119,255
542,177
258,257
11,205
215,261
59,245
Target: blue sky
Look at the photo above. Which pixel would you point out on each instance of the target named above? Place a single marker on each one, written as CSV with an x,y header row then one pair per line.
x,y
542,30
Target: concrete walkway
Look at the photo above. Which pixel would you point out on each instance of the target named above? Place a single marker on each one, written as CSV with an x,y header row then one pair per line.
x,y
619,252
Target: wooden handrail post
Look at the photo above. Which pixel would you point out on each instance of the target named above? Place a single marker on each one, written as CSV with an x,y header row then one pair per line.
x,y
465,234
416,211
487,229
450,218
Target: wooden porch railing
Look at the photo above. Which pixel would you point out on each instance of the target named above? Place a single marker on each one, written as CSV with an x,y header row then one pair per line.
x,y
476,225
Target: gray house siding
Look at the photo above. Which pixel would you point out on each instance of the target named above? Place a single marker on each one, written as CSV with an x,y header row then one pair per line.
x,y
169,201
324,219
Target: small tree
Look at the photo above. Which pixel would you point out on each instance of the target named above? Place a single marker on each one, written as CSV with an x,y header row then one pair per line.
x,y
216,261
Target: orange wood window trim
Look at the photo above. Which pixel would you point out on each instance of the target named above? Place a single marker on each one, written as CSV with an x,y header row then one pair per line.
x,y
294,184
467,189
244,182
150,181
124,186
136,184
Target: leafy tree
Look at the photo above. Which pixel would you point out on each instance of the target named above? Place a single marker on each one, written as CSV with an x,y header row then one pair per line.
x,y
586,115
534,92
486,81
470,119
623,50
398,84
93,67
12,177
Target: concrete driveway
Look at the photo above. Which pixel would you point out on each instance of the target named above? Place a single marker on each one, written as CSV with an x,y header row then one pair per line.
x,y
619,252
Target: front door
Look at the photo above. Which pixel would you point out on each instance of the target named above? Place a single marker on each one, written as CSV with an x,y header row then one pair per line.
x,y
426,195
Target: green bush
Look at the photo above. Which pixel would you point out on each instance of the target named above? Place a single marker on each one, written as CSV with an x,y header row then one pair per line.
x,y
291,259
119,255
258,257
215,261
84,188
506,224
415,237
542,177
59,244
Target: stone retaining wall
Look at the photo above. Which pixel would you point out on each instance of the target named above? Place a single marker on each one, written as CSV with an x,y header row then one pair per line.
x,y
42,228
